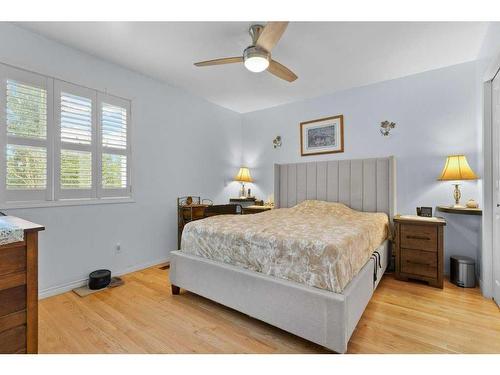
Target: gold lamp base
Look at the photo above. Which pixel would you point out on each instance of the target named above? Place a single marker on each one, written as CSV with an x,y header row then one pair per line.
x,y
242,192
457,195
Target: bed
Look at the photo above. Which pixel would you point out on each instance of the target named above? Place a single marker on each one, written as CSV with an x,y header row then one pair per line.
x,y
309,267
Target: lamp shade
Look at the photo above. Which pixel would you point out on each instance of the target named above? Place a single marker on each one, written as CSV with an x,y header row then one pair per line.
x,y
457,168
243,175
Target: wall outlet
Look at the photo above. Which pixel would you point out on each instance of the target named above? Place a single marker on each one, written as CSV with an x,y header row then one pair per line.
x,y
118,248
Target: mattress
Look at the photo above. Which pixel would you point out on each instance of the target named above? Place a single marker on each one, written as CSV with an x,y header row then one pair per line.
x,y
316,243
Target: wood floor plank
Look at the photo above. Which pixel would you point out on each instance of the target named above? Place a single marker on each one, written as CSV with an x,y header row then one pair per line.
x,y
143,317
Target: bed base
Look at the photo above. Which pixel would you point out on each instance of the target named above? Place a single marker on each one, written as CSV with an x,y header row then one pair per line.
x,y
317,315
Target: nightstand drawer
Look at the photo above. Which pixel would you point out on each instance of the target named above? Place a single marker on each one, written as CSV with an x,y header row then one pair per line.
x,y
422,237
417,262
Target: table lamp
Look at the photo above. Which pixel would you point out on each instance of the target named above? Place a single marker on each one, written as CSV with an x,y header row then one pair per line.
x,y
457,169
243,176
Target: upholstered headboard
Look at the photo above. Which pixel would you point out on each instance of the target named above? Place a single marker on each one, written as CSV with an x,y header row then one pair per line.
x,y
362,184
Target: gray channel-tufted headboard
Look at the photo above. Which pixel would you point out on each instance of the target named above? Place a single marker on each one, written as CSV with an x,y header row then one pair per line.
x,y
362,184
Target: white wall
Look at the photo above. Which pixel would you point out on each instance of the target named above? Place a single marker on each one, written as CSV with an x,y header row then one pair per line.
x,y
436,114
181,145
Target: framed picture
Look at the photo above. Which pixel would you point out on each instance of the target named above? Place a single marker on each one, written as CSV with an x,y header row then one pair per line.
x,y
322,136
424,211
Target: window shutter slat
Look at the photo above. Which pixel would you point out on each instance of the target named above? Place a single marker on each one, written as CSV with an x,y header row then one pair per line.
x,y
26,110
114,126
76,119
114,171
76,169
26,167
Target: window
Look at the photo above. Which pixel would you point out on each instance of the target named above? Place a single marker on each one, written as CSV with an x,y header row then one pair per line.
x,y
114,135
25,99
61,141
75,143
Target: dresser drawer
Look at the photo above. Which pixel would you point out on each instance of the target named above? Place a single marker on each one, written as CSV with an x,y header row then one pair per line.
x,y
420,263
421,237
12,300
12,320
12,259
13,341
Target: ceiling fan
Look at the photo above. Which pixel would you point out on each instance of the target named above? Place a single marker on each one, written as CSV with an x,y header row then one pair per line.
x,y
257,56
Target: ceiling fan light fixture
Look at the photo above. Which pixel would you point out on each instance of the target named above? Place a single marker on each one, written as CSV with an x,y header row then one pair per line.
x,y
256,59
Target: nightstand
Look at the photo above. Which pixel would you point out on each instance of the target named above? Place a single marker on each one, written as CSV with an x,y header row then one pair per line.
x,y
419,246
255,209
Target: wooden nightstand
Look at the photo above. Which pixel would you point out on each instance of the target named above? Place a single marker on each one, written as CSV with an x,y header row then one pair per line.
x,y
419,248
255,209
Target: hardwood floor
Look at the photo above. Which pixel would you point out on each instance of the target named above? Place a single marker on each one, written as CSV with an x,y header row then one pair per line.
x,y
143,317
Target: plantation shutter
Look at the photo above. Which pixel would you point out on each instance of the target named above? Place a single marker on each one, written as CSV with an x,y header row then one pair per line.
x,y
114,156
60,142
26,112
75,151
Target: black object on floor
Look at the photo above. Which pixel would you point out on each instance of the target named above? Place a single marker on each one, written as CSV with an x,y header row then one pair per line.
x,y
99,279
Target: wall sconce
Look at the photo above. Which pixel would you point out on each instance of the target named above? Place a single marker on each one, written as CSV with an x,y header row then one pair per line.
x,y
277,142
386,127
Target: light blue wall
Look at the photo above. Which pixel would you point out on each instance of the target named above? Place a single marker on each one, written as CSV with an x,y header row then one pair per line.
x,y
436,114
181,144
184,145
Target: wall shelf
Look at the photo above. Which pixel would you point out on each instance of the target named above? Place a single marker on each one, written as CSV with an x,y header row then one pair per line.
x,y
461,211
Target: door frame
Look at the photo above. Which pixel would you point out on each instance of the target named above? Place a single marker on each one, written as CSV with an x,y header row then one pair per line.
x,y
490,153
486,274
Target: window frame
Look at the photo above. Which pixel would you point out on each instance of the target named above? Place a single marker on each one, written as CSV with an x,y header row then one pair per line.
x,y
54,195
36,80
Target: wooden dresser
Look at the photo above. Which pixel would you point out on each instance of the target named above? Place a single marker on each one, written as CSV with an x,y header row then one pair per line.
x,y
19,290
243,202
254,209
419,249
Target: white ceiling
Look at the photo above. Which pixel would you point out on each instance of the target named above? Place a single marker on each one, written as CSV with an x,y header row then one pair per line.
x,y
327,56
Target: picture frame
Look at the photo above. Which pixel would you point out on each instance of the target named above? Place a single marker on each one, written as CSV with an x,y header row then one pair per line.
x,y
424,211
322,136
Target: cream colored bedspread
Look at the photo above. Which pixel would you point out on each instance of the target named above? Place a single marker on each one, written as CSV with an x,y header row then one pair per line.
x,y
316,243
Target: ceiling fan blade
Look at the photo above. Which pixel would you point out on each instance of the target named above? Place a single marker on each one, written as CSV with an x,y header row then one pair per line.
x,y
281,71
225,60
271,35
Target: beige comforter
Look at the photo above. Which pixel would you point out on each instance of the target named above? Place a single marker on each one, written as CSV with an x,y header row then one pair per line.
x,y
316,243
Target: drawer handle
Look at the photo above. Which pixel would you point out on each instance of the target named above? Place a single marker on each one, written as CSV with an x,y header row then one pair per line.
x,y
418,238
419,263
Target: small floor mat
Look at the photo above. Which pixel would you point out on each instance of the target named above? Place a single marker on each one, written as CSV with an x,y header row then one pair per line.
x,y
85,291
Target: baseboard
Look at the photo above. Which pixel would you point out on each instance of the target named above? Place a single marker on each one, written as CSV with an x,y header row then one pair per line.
x,y
63,288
